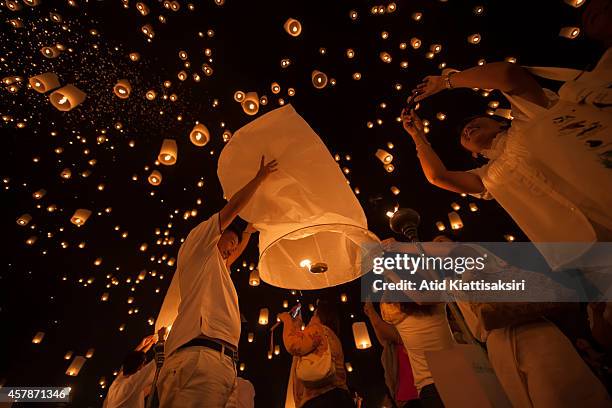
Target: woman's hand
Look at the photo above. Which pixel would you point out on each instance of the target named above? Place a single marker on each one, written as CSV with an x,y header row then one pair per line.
x,y
266,169
431,85
413,125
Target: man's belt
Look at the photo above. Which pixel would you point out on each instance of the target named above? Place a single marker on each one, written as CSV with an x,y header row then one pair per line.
x,y
211,344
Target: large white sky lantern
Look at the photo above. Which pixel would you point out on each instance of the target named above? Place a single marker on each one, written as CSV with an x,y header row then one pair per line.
x,y
313,232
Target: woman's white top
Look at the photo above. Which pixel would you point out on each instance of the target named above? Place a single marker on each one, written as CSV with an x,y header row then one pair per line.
x,y
552,172
421,333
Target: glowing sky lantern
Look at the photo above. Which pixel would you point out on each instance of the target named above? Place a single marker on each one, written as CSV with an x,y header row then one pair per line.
x,y
142,8
168,152
80,216
305,211
575,3
155,179
254,278
134,56
24,220
263,316
38,337
44,82
148,31
474,38
150,95
122,89
569,32
385,57
415,43
440,226
275,88
455,220
50,52
293,27
239,96
384,156
361,336
250,103
199,135
319,79
75,366
67,97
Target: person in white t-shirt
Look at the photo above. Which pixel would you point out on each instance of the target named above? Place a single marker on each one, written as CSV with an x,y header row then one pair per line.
x,y
133,383
202,347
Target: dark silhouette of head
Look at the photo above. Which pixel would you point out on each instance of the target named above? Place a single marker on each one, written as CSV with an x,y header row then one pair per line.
x,y
133,362
327,313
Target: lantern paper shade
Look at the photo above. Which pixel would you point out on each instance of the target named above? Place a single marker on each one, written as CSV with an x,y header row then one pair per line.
x,y
168,152
169,309
38,337
155,178
122,89
80,216
293,27
250,103
361,335
199,135
44,82
67,98
75,366
305,211
90,353
319,79
263,316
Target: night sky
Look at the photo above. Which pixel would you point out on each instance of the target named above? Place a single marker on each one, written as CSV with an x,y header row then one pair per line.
x,y
110,146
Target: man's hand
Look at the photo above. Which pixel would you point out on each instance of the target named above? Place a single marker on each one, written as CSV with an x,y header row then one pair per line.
x,y
431,85
266,169
146,343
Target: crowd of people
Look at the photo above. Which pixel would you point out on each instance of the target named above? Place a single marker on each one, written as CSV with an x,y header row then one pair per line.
x,y
551,162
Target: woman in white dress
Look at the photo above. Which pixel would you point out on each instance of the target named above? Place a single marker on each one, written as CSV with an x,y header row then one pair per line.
x,y
550,169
